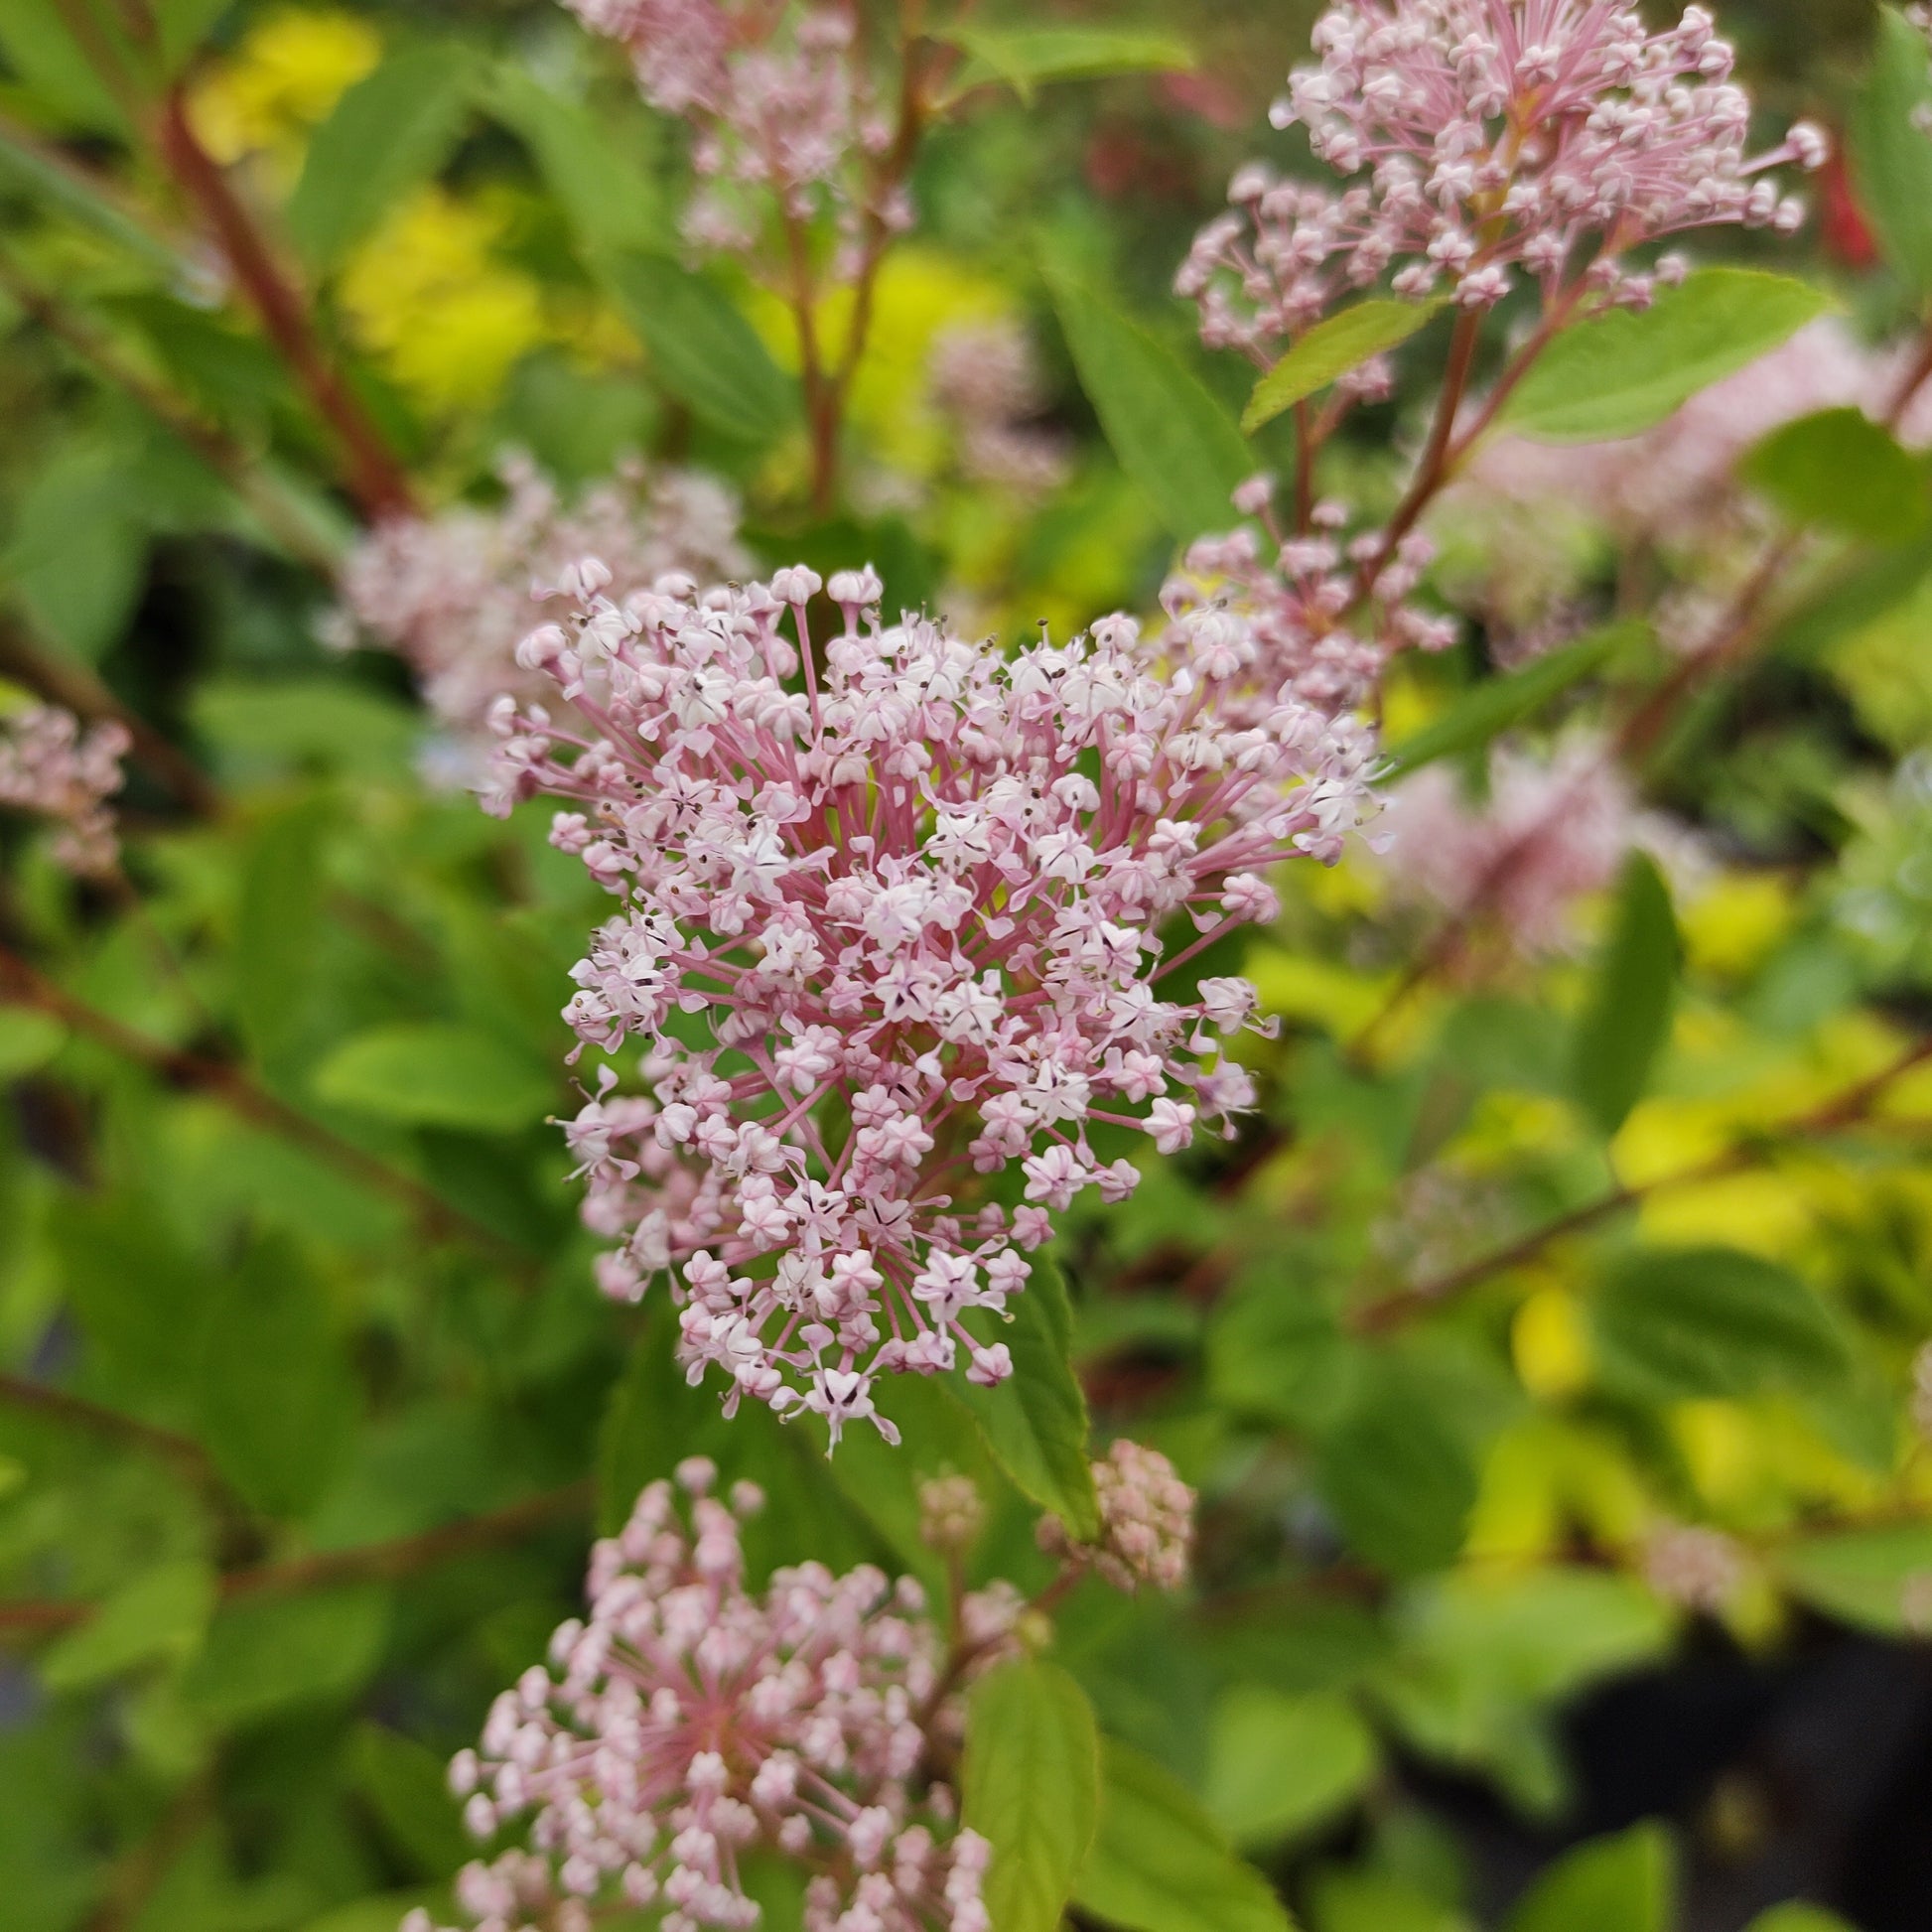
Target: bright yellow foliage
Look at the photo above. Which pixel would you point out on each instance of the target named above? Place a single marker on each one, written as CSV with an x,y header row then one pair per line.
x,y
1735,923
280,82
1550,1344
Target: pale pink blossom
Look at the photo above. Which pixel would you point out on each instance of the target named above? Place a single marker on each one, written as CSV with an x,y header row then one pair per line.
x,y
1480,140
689,1721
889,926
786,112
454,594
53,766
1695,1567
952,1513
1147,1521
985,379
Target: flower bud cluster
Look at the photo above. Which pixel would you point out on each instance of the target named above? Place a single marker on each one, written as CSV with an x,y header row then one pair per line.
x,y
888,934
785,108
51,765
952,1514
1295,624
1483,139
689,1722
1694,1568
453,594
1147,1521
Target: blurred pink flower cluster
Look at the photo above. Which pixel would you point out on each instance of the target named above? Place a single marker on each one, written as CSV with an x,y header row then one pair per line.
x,y
1548,137
454,594
689,1723
985,377
53,766
888,934
783,105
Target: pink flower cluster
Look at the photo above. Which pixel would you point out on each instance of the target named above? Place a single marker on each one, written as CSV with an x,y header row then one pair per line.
x,y
889,930
453,594
782,104
1147,1521
985,377
1549,834
1255,629
51,765
1546,136
688,1722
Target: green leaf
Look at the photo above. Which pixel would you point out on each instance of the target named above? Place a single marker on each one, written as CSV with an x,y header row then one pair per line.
x,y
55,71
652,1418
159,1614
428,1073
1890,154
1626,372
391,130
182,26
1024,57
1344,1899
275,1397
1841,470
405,1786
1035,1420
1278,1766
1867,1577
1799,1915
1330,349
1675,1323
79,551
1612,1884
609,203
71,193
1171,436
1397,1476
1160,1864
1276,1351
28,1041
1498,704
265,1652
702,350
1624,1027
1030,1786
278,921
307,720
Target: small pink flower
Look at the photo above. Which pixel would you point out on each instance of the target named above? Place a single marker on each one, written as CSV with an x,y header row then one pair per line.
x,y
53,766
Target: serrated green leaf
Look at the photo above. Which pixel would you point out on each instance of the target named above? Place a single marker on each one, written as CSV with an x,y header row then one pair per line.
x,y
1330,349
1863,1577
275,1397
1622,1029
1035,1420
266,1652
1028,58
1498,704
1281,1765
1030,1784
432,1074
1160,1864
1397,1476
159,1615
1890,154
608,201
1840,470
1626,371
1171,436
1678,1323
1612,1884
702,350
392,129
406,1788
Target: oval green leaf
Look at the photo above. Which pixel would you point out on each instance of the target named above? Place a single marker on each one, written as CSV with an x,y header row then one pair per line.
x,y
1624,1026
1332,348
435,1075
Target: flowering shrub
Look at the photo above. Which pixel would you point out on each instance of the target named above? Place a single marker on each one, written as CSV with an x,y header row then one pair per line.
x,y
1167,1125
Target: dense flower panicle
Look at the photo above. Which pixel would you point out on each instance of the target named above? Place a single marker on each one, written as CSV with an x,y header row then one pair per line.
x,y
1550,833
52,766
952,1513
1257,622
688,1721
783,103
884,934
1147,1521
453,594
1483,138
985,377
